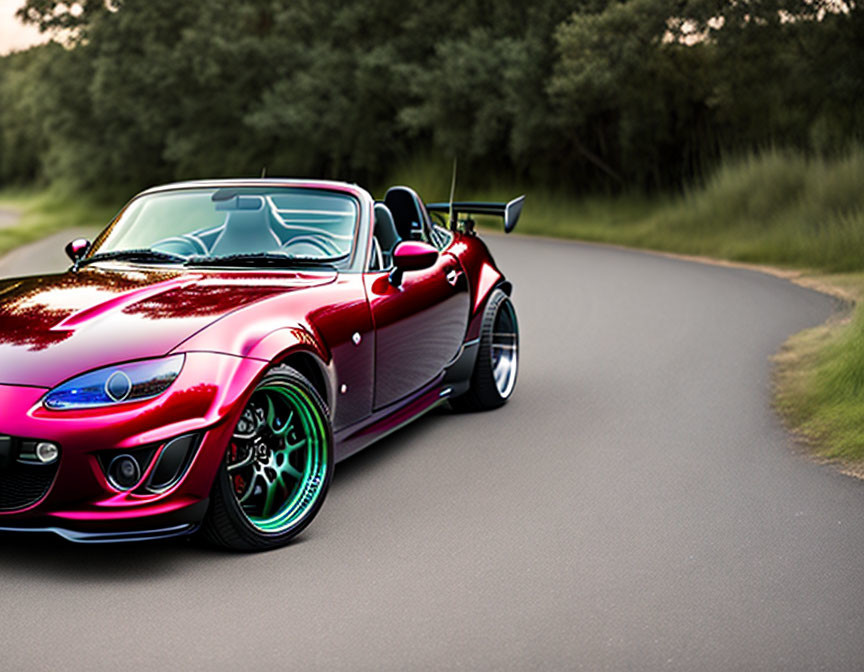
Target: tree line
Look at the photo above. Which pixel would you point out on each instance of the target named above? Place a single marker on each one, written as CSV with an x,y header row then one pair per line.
x,y
580,94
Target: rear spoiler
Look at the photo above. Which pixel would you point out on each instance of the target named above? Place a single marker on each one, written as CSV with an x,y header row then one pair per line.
x,y
508,211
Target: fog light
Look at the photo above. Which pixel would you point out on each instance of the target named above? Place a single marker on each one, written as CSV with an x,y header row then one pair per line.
x,y
124,472
46,452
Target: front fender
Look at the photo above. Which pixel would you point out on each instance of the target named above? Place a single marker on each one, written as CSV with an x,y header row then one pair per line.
x,y
298,348
277,344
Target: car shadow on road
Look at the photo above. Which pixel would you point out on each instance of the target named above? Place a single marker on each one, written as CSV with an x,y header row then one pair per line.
x,y
54,558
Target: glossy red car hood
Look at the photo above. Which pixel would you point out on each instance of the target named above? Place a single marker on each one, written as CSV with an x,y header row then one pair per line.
x,y
56,326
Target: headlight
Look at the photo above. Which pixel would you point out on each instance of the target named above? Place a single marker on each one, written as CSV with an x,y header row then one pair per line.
x,y
116,384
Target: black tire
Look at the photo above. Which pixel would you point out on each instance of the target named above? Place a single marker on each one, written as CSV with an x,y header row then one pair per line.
x,y
227,524
484,393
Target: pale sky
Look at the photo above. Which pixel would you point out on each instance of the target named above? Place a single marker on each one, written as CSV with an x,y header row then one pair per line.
x,y
14,35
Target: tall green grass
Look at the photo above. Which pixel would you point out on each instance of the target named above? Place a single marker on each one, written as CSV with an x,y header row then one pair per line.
x,y
774,207
548,212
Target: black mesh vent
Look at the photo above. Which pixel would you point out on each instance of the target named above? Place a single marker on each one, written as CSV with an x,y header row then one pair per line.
x,y
24,484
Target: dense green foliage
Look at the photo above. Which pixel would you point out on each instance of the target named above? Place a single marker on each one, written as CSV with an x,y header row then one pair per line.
x,y
582,94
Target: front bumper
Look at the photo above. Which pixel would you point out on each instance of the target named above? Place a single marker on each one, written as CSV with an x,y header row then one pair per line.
x,y
80,504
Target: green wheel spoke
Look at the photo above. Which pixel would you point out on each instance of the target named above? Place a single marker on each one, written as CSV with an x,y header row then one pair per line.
x,y
268,502
291,471
285,459
291,447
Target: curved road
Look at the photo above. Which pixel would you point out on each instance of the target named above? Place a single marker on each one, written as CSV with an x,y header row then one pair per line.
x,y
637,506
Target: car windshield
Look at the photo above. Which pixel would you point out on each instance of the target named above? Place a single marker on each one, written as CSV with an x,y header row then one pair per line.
x,y
233,225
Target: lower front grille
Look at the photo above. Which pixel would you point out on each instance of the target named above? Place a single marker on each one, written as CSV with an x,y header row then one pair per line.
x,y
22,484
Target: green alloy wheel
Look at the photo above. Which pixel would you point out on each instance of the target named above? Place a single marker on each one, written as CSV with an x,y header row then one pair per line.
x,y
277,466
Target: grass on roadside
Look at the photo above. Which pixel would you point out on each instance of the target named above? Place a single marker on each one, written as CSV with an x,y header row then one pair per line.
x,y
46,212
819,377
774,207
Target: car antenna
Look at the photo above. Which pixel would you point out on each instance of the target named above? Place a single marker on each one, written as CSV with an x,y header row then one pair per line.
x,y
454,224
263,172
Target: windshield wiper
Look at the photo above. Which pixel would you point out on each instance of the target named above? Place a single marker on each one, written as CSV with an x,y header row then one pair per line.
x,y
273,259
142,254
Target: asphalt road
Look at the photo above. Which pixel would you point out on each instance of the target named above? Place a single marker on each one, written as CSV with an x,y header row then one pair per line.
x,y
637,506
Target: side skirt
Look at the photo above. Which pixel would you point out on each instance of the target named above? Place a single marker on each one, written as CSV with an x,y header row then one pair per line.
x,y
453,381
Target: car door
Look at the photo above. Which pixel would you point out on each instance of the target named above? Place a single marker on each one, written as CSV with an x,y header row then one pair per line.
x,y
419,326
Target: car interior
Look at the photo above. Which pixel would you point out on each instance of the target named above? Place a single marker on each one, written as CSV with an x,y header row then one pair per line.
x,y
401,216
385,238
409,213
255,224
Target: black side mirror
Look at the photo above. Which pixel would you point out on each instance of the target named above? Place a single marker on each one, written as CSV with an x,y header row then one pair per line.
x,y
76,251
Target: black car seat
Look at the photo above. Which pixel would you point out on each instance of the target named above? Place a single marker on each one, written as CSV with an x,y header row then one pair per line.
x,y
409,214
246,229
385,233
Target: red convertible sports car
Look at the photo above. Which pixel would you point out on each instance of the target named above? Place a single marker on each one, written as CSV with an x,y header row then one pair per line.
x,y
221,344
